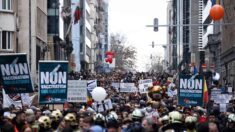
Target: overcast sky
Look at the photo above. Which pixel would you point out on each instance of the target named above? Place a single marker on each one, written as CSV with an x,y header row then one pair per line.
x,y
130,17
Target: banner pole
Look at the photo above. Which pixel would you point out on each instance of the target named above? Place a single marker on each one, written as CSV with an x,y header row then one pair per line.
x,y
21,102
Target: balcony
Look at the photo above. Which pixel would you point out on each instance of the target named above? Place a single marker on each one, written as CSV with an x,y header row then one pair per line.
x,y
206,10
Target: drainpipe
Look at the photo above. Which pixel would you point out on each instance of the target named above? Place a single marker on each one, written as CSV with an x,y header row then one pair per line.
x,y
17,27
30,35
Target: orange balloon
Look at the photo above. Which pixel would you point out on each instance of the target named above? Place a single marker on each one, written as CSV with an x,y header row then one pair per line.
x,y
216,12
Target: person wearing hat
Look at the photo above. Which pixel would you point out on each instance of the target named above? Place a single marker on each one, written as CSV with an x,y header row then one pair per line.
x,y
56,117
44,124
31,119
163,121
230,126
71,121
7,116
112,123
99,121
136,125
30,116
175,122
190,123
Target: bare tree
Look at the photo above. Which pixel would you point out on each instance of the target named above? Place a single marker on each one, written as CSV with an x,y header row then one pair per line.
x,y
156,64
125,56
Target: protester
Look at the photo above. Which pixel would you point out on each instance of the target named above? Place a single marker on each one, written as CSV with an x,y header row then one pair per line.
x,y
44,124
19,121
153,111
26,128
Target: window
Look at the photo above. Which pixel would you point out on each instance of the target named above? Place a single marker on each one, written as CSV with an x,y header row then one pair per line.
x,y
52,25
6,5
6,40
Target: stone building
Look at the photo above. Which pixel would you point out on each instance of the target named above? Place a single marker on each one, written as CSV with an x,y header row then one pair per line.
x,y
23,29
227,56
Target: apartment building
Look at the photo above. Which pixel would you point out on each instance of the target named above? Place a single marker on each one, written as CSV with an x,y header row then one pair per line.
x,y
94,33
168,53
185,39
23,30
227,55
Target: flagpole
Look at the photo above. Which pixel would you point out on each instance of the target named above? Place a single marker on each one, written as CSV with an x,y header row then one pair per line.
x,y
22,105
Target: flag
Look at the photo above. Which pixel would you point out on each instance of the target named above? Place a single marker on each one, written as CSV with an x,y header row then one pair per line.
x,y
213,2
77,14
89,98
205,92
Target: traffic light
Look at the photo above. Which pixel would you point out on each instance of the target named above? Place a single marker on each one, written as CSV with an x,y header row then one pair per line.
x,y
155,24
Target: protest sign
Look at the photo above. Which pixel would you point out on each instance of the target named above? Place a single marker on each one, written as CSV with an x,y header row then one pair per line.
x,y
91,84
128,88
53,82
144,85
77,91
190,90
15,73
214,93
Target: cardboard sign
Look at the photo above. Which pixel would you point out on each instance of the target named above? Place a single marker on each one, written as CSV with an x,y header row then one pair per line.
x,y
144,85
128,88
91,84
77,91
214,93
106,103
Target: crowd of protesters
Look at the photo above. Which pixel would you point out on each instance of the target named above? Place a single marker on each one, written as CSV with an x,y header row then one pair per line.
x,y
131,112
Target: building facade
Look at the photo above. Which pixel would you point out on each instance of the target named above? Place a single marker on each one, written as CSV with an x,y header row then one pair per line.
x,y
227,55
186,34
23,30
94,33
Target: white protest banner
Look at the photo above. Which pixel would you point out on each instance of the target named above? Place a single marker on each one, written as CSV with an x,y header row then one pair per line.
x,y
106,103
144,85
115,85
128,88
9,99
223,107
77,91
223,98
91,84
171,91
230,89
214,93
25,99
170,79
